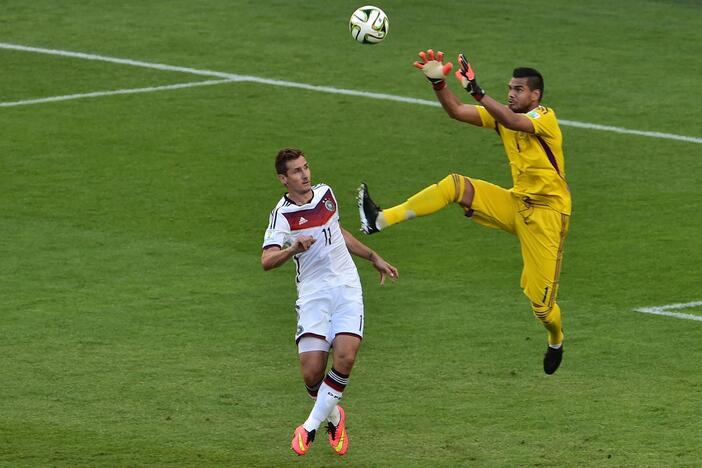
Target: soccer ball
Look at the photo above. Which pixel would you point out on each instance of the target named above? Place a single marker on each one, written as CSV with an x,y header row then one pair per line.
x,y
369,25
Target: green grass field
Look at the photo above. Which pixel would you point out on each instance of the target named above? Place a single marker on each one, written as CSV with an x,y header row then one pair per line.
x,y
138,328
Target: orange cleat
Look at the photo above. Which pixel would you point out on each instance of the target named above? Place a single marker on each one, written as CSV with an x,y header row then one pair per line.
x,y
302,440
338,437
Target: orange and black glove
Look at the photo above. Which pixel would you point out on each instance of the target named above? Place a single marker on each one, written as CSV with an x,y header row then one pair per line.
x,y
466,76
434,68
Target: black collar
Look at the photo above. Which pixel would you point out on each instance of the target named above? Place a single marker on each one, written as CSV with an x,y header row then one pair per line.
x,y
291,201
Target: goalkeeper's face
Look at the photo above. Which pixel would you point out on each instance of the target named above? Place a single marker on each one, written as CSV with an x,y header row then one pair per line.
x,y
520,98
298,178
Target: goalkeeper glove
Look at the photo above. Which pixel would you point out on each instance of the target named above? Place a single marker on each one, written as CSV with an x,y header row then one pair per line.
x,y
466,76
434,68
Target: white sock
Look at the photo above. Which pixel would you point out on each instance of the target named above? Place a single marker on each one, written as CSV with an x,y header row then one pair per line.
x,y
327,398
380,222
335,416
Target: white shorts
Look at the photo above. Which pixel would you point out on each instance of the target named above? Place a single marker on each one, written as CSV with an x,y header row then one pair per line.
x,y
329,313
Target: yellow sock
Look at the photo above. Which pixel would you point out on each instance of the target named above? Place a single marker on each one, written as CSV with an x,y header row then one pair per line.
x,y
430,200
551,320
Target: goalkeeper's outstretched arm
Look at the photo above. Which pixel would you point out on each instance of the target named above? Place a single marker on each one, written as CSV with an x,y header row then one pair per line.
x,y
501,113
458,110
436,70
506,116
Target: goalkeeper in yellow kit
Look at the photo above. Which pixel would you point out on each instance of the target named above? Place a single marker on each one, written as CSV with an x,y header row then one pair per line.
x,y
536,209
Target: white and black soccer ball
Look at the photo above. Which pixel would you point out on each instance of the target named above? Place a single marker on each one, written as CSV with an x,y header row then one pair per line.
x,y
369,25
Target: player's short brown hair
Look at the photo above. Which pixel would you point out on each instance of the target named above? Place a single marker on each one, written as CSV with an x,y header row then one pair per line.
x,y
285,155
534,79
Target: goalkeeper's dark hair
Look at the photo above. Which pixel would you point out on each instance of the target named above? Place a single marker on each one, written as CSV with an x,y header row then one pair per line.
x,y
285,155
534,78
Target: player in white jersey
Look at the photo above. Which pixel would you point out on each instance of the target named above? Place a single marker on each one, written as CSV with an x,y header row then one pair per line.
x,y
305,226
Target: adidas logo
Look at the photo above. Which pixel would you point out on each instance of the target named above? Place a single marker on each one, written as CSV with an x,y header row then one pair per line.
x,y
302,220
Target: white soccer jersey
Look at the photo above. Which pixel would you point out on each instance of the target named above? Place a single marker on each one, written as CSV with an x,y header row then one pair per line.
x,y
328,262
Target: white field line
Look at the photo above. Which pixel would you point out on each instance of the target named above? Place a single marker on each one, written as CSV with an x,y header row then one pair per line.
x,y
322,89
150,89
665,310
608,128
102,58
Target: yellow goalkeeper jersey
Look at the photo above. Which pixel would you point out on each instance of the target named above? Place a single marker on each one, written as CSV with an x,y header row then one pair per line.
x,y
536,160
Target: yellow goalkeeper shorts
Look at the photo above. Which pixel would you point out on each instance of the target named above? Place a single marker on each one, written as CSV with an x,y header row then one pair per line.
x,y
540,229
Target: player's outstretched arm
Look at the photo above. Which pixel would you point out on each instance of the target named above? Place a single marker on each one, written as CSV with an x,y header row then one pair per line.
x,y
358,248
501,113
436,71
273,257
506,116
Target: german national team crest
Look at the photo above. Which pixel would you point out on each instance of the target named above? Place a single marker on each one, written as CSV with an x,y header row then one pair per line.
x,y
329,205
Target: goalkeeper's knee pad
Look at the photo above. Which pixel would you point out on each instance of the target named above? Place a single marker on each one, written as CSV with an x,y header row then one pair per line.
x,y
541,311
452,187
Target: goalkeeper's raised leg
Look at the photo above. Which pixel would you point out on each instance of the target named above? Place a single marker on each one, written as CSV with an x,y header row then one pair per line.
x,y
453,188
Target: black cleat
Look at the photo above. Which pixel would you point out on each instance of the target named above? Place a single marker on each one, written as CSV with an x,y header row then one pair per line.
x,y
552,359
368,210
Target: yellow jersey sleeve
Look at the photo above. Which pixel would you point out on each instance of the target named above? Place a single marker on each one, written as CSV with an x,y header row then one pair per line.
x,y
543,119
545,124
488,120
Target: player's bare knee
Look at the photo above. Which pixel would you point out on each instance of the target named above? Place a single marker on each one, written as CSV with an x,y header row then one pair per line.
x,y
344,361
468,193
312,376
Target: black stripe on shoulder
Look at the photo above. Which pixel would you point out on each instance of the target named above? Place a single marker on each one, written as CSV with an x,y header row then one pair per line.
x,y
274,218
